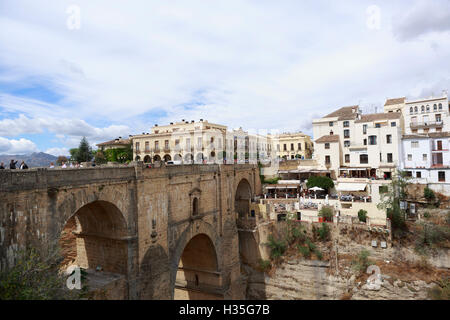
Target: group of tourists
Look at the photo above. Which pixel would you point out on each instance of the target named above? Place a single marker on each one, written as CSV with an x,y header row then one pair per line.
x,y
71,165
12,165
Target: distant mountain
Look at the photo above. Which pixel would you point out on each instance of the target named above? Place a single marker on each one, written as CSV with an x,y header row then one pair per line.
x,y
36,159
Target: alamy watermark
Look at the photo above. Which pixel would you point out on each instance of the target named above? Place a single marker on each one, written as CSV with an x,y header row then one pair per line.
x,y
73,21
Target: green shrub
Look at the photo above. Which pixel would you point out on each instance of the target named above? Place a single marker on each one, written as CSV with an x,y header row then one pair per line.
x,y
318,254
323,232
428,194
36,276
327,213
430,236
310,245
362,261
426,214
277,247
304,250
362,215
265,265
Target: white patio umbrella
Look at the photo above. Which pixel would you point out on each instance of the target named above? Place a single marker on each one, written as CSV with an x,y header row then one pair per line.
x,y
316,189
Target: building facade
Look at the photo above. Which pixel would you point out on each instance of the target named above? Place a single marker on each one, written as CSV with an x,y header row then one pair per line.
x,y
290,146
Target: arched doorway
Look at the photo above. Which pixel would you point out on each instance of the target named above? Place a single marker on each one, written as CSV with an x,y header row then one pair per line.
x,y
177,157
188,158
199,157
147,159
138,158
198,276
92,238
242,198
167,157
156,158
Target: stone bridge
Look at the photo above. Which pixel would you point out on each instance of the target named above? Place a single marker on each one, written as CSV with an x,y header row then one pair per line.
x,y
167,232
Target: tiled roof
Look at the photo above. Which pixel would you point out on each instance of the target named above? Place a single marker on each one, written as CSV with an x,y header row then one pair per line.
x,y
329,138
379,116
120,142
344,112
390,102
427,135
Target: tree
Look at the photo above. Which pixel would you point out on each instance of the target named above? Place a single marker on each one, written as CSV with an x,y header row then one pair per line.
x,y
36,276
390,201
73,154
428,194
362,215
321,182
84,153
326,213
100,157
61,159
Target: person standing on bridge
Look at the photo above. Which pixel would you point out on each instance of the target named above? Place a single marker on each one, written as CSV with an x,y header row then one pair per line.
x,y
12,164
2,166
23,165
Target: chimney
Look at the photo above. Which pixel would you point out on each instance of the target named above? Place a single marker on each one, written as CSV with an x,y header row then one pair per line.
x,y
156,125
201,120
171,123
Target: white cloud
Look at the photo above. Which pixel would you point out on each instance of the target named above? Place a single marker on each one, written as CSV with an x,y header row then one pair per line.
x,y
58,151
242,63
21,146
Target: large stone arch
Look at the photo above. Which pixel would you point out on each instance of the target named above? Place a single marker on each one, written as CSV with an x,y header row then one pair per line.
x,y
94,236
197,237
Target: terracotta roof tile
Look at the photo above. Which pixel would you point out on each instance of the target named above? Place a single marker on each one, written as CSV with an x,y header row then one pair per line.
x,y
379,116
343,112
111,142
329,138
390,102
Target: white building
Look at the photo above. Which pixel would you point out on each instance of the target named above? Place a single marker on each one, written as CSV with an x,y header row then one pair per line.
x,y
426,143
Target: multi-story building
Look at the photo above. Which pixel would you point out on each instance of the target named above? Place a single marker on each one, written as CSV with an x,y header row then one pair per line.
x,y
426,143
184,141
351,144
291,146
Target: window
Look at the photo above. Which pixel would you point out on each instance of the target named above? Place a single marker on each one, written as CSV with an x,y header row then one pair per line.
x,y
199,142
413,119
435,107
177,143
292,147
284,147
441,176
195,207
419,174
377,125
346,124
365,142
411,110
346,133
364,128
137,146
147,146
393,124
414,144
166,144
381,157
415,109
388,138
299,146
331,132
363,158
439,145
440,106
372,140
331,123
428,108
347,158
409,157
389,158
327,145
438,118
414,130
422,108
327,160
346,143
157,145
424,157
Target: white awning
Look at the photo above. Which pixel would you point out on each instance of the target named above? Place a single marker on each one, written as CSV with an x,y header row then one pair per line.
x,y
288,181
344,186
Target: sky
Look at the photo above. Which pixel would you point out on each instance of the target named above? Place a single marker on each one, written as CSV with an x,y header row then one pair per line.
x,y
104,69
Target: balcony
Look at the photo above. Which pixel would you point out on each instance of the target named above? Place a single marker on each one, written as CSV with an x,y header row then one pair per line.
x,y
166,149
427,124
156,150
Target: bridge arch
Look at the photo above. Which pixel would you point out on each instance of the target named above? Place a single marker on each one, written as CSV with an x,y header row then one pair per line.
x,y
147,159
196,265
243,198
96,236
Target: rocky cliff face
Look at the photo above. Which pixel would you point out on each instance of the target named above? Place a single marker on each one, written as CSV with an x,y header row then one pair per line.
x,y
300,279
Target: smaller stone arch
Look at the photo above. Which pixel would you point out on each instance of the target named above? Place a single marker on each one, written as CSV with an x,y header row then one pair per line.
x,y
156,158
167,157
177,157
188,157
138,158
199,157
147,159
